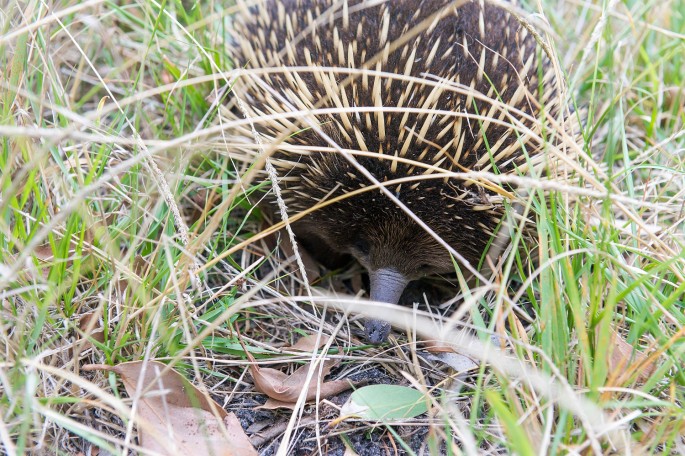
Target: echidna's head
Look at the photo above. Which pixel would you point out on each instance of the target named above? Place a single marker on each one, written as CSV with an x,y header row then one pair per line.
x,y
401,246
394,249
394,254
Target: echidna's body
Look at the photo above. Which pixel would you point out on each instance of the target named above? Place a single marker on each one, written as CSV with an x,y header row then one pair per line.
x,y
410,88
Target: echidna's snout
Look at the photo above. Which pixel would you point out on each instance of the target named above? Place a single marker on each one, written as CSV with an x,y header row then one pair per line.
x,y
387,285
394,250
376,331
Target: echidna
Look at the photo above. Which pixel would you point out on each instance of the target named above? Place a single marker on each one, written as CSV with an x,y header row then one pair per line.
x,y
404,92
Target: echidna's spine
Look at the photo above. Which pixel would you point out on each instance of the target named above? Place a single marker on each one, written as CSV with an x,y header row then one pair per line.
x,y
414,89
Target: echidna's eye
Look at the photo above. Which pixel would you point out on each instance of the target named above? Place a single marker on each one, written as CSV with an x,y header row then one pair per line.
x,y
362,246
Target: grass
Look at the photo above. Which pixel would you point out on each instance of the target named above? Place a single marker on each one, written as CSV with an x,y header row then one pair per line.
x,y
115,205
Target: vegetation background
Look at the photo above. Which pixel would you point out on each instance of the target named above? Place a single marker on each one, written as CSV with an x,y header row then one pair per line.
x,y
128,231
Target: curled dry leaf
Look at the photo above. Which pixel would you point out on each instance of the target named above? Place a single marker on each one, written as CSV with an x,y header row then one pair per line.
x,y
43,252
458,362
273,404
627,359
308,343
436,346
89,324
174,416
91,329
447,354
286,388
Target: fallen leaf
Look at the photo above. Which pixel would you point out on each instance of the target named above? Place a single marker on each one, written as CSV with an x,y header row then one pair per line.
x,y
436,346
287,388
385,403
447,354
625,358
90,325
308,343
459,363
273,404
43,252
176,416
91,329
349,451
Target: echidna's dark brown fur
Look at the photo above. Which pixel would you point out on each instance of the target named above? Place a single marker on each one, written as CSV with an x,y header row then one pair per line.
x,y
477,73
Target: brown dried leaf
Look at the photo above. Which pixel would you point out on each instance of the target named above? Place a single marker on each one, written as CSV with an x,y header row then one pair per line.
x,y
436,346
308,343
287,388
273,404
43,252
458,362
91,329
175,415
625,358
88,323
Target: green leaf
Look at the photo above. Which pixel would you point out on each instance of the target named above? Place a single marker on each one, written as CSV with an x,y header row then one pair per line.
x,y
385,403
